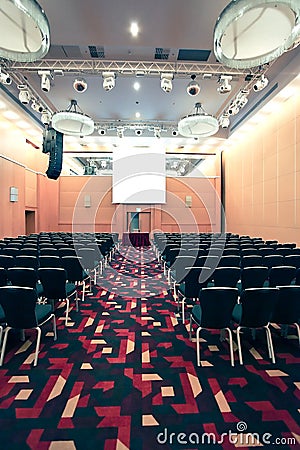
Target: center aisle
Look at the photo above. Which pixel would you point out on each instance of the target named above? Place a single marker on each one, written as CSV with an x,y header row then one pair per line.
x,y
123,376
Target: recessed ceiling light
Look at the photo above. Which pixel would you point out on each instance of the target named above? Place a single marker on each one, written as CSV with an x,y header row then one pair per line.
x,y
137,115
136,85
134,29
11,115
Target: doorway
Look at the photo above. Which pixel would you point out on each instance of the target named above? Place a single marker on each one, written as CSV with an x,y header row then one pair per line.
x,y
29,222
139,221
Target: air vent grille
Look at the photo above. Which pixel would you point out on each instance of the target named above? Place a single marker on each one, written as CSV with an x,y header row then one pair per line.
x,y
162,53
96,51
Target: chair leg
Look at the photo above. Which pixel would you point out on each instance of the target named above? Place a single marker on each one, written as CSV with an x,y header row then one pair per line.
x,y
191,328
296,325
239,344
198,346
230,346
4,344
1,333
54,328
182,309
38,340
270,344
67,310
83,290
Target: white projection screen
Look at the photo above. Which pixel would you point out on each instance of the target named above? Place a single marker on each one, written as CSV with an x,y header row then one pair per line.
x,y
139,175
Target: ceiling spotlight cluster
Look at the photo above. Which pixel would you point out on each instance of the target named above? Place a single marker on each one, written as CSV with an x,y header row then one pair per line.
x,y
224,120
193,88
261,83
224,84
5,78
166,82
238,103
45,80
80,85
109,80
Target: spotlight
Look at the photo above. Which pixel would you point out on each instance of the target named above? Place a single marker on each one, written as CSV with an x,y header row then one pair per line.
x,y
261,83
233,109
36,106
224,84
80,85
101,131
45,80
174,132
24,95
138,132
120,132
193,87
157,133
5,78
224,121
109,80
242,99
46,117
166,81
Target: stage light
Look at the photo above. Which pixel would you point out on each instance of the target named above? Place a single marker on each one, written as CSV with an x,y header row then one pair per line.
x,y
261,83
224,84
45,80
109,80
224,121
166,82
193,87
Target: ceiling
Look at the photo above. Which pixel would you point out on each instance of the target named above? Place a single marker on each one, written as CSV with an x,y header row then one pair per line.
x,y
175,36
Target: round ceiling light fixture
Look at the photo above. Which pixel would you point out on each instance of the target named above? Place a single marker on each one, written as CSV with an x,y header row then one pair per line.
x,y
250,33
198,124
25,31
73,122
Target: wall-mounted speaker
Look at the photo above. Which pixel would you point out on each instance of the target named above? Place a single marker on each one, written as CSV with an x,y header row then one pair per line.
x,y
188,201
53,144
87,201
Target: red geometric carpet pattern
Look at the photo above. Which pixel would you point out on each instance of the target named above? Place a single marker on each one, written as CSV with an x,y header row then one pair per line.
x,y
123,375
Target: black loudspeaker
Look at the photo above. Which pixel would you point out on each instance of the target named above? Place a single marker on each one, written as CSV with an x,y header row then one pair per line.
x,y
53,144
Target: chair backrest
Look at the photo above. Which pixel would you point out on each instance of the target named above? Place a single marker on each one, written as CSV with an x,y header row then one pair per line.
x,y
3,276
229,261
50,261
27,261
226,276
217,304
273,260
7,261
253,277
73,267
195,279
249,252
53,280
19,304
181,262
22,276
48,251
265,251
89,257
28,251
66,251
281,275
298,277
251,261
293,260
257,306
287,308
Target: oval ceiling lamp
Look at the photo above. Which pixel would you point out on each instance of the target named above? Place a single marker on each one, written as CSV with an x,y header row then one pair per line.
x,y
198,124
73,122
25,31
250,33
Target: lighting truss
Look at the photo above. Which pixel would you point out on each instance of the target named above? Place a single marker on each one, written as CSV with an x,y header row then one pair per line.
x,y
126,67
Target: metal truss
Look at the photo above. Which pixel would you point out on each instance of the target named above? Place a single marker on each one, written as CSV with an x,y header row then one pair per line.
x,y
125,68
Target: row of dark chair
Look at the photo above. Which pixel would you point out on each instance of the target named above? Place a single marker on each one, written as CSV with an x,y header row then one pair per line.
x,y
222,308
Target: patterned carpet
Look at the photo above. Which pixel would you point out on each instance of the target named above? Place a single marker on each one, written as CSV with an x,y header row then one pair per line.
x,y
123,375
